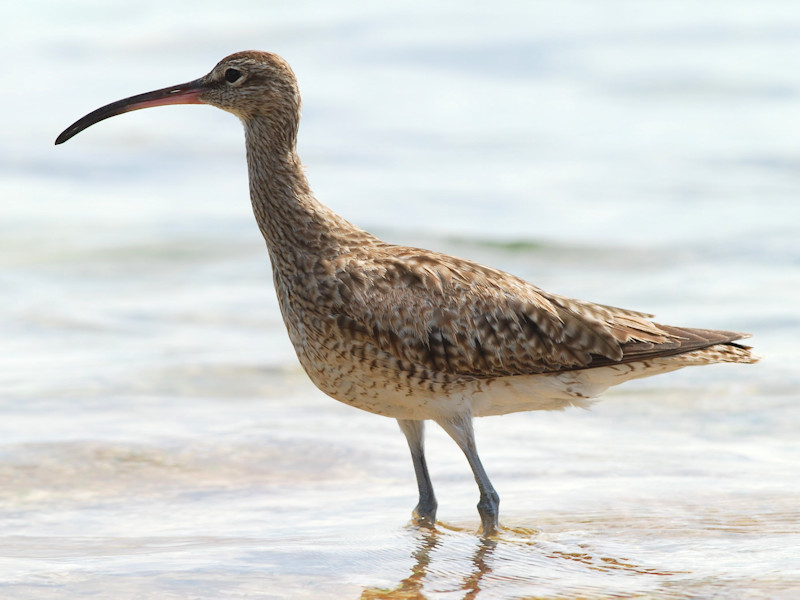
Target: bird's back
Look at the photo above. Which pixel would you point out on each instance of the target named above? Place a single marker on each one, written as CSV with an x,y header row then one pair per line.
x,y
381,322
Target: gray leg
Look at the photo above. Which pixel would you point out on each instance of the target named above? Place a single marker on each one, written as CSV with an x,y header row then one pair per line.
x,y
460,429
425,512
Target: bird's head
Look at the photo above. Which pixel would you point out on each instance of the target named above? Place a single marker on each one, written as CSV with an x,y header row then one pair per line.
x,y
252,85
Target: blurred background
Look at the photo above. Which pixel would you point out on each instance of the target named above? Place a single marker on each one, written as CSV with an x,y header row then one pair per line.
x,y
157,436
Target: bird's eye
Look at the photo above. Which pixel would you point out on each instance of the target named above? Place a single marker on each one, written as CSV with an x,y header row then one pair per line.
x,y
232,75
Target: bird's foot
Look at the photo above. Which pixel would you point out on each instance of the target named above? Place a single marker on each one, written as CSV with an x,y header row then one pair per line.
x,y
489,510
489,527
425,513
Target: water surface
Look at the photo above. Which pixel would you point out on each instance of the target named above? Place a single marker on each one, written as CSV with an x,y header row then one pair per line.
x,y
158,439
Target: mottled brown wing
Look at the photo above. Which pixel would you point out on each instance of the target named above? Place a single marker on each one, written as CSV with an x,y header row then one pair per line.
x,y
456,316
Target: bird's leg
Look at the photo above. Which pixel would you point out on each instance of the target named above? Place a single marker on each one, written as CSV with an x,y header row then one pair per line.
x,y
460,429
425,512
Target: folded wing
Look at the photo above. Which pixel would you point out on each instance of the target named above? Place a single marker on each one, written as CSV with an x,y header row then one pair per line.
x,y
455,316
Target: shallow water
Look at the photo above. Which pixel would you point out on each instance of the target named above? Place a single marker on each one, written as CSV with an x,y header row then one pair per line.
x,y
158,439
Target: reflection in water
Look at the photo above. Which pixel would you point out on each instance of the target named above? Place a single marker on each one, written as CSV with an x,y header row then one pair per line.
x,y
428,540
495,562
479,561
411,586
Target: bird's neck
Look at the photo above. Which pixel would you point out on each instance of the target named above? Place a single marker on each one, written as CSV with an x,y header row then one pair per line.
x,y
295,225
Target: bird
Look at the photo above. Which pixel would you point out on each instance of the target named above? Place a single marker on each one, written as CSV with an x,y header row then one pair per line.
x,y
413,334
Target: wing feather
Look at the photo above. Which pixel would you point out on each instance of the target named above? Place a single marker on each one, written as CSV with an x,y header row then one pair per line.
x,y
452,315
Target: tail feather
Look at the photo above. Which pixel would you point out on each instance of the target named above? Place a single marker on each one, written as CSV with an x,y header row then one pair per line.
x,y
697,346
728,352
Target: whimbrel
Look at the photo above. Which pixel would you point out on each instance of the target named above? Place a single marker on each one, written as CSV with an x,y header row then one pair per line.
x,y
408,333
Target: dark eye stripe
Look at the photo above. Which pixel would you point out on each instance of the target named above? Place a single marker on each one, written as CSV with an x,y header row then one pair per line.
x,y
232,75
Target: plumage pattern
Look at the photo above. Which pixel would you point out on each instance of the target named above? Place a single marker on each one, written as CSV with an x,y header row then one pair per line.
x,y
409,333
395,330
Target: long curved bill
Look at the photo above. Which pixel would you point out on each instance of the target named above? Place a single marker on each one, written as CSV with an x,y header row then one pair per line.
x,y
185,93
